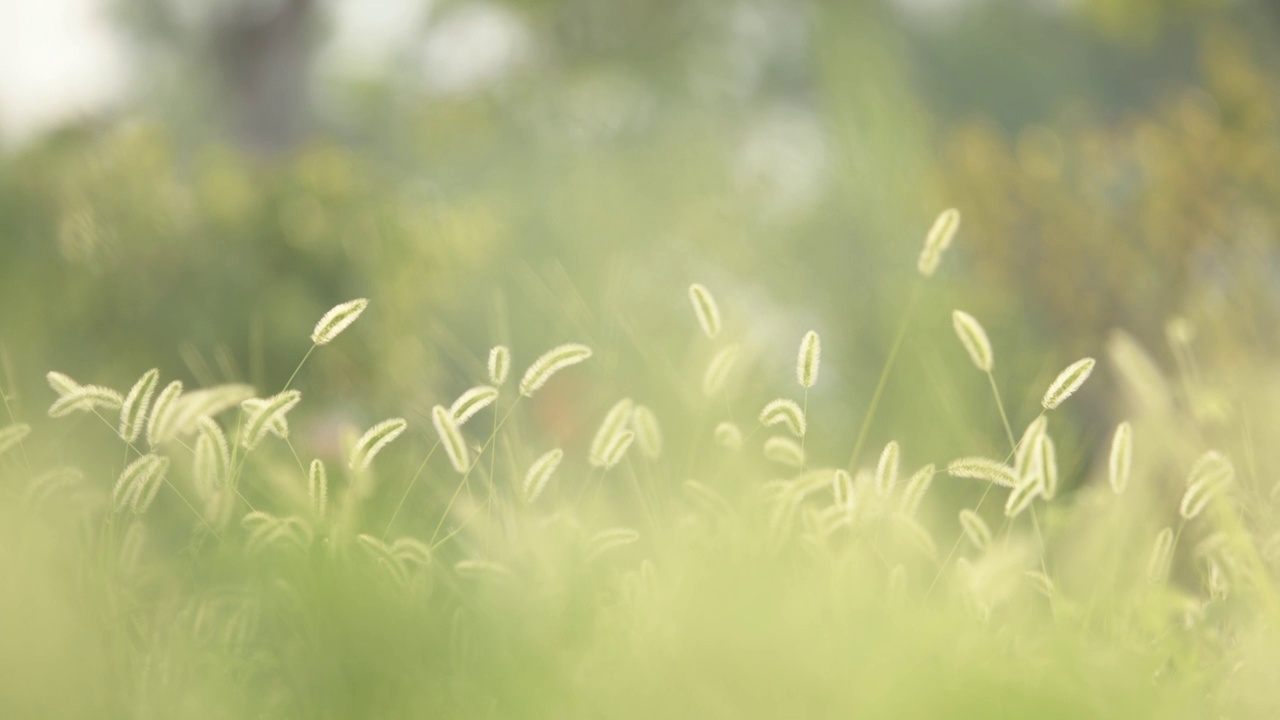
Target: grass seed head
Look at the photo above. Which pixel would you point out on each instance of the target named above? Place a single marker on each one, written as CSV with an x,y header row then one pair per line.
x,y
263,415
915,489
1067,382
783,450
719,368
540,472
705,308
617,448
614,423
887,469
974,339
318,489
550,363
808,359
784,411
728,435
133,412
336,320
374,440
12,435
472,402
1120,461
980,468
975,529
1161,555
648,431
451,437
499,364
160,424
1209,477
61,383
86,398
937,241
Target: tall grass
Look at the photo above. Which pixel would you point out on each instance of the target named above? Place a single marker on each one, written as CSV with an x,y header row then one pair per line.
x,y
709,572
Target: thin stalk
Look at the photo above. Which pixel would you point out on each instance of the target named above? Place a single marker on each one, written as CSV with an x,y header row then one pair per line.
x,y
467,474
884,376
1004,418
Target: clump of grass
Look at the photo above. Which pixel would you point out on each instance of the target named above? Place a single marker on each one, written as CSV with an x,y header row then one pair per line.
x,y
225,561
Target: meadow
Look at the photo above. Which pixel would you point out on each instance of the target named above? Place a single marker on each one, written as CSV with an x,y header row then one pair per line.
x,y
881,388
708,562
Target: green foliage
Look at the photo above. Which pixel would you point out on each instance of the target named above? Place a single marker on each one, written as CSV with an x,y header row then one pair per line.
x,y
254,586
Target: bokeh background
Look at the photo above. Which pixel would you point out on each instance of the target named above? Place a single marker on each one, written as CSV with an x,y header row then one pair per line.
x,y
189,184
182,180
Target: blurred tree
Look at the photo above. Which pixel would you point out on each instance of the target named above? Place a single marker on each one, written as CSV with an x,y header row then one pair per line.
x,y
1101,222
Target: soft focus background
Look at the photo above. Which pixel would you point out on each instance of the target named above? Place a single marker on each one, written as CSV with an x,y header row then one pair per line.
x,y
189,184
181,180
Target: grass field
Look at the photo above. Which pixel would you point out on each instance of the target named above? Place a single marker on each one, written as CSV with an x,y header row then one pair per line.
x,y
618,391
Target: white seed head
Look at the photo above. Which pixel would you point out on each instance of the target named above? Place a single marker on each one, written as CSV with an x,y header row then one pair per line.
x,y
535,480
783,450
704,306
617,448
552,362
785,411
382,554
318,489
1041,582
160,424
412,551
12,435
975,529
451,437
137,486
86,398
648,431
263,415
842,489
133,412
937,241
472,402
1022,465
614,423
980,468
719,368
191,406
486,570
374,440
887,469
61,383
1021,498
1047,459
915,489
1209,477
1067,382
606,540
728,435
974,339
499,364
278,426
336,320
1139,375
808,359
1161,554
212,460
1120,463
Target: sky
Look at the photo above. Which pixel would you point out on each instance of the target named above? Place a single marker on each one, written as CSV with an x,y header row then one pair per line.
x,y
59,59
